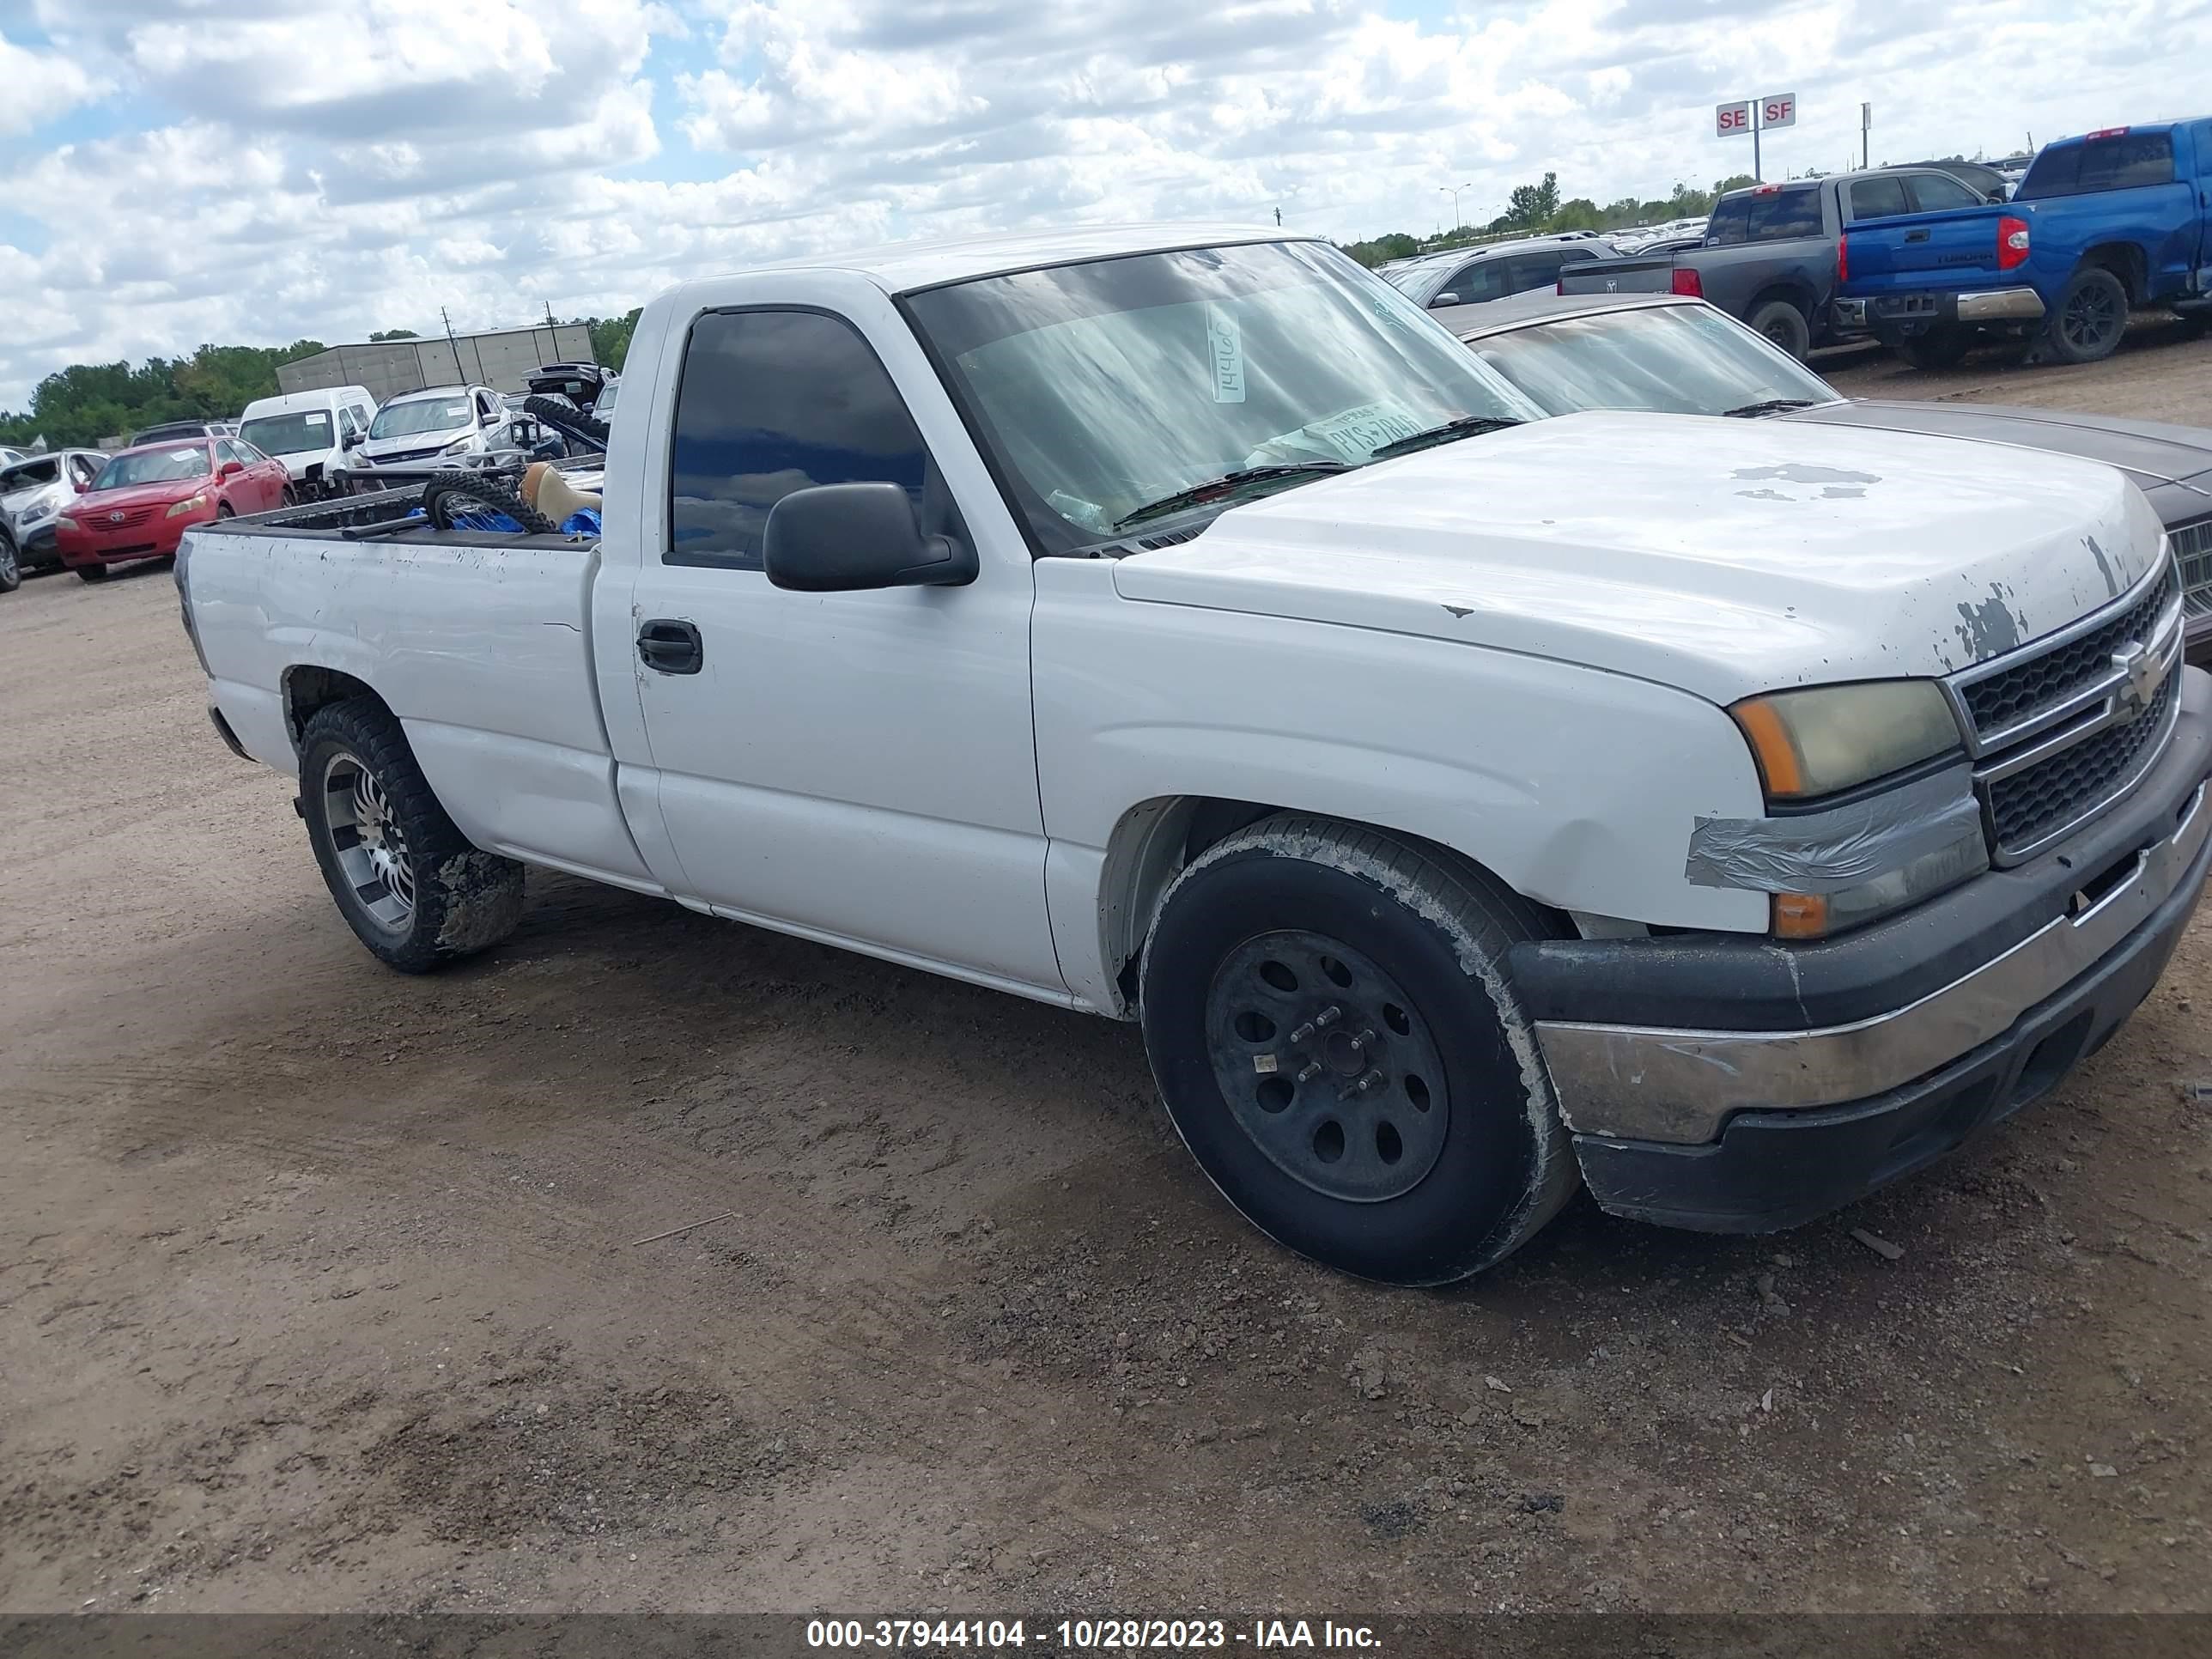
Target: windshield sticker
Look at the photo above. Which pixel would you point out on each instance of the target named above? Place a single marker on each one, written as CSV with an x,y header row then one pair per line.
x,y
1226,348
316,417
1357,433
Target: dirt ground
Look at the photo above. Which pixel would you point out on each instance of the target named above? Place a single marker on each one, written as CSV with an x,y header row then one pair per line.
x,y
321,1287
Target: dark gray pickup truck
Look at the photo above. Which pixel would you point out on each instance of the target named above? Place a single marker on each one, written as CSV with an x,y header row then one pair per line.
x,y
1771,253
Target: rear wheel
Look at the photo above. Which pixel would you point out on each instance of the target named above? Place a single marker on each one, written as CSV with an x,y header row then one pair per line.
x,y
1944,346
1327,1017
409,883
1781,322
2089,318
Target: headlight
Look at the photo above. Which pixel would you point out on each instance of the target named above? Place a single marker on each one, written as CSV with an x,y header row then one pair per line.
x,y
1829,737
65,522
459,445
34,512
190,504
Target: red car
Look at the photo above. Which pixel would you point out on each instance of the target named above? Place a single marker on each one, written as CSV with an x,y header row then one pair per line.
x,y
143,499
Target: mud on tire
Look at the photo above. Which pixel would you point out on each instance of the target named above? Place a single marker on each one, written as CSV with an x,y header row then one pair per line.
x,y
410,885
1328,1016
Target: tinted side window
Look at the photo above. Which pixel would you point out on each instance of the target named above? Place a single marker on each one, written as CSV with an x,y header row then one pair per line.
x,y
1936,192
1785,214
1533,270
1728,224
1878,198
771,401
2122,162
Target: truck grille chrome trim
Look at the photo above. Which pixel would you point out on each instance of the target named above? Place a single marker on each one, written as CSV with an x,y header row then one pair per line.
x,y
2064,727
2192,551
1645,1083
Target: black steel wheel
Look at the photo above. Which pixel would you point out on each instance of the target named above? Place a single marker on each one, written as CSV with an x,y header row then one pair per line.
x,y
1780,321
2089,318
1327,1065
1328,1015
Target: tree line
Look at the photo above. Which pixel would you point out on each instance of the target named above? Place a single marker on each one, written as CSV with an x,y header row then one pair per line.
x,y
1536,210
86,402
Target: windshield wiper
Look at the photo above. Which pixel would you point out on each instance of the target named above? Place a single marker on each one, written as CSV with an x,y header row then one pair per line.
x,y
1772,406
1465,427
1199,494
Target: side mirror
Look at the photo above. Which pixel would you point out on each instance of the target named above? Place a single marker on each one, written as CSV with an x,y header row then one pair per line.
x,y
837,539
1447,298
351,440
230,469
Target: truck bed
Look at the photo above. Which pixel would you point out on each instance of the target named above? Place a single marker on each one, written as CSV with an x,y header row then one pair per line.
x,y
493,629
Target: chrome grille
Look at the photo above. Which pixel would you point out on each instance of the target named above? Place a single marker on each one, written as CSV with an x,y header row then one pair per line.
x,y
2013,697
2192,549
2064,727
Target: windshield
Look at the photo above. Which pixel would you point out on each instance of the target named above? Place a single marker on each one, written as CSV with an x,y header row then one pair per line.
x,y
153,466
290,434
1423,284
1102,387
423,415
154,434
1681,360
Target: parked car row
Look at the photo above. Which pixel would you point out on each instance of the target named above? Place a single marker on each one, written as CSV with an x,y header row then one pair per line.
x,y
1480,772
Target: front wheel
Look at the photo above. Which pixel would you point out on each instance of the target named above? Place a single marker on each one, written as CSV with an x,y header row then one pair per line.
x,y
11,568
409,883
92,573
1327,1017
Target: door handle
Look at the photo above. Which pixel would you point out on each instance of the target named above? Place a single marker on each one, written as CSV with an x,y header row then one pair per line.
x,y
669,646
1916,235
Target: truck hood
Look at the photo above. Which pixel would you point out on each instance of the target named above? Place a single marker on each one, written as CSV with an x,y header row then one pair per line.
x,y
1723,557
413,443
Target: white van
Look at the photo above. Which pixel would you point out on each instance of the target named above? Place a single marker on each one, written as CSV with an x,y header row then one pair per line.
x,y
310,432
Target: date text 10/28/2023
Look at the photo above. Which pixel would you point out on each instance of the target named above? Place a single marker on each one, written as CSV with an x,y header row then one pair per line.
x,y
1091,1635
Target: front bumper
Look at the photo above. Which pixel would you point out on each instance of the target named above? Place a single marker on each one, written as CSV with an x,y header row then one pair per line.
x,y
157,539
1894,316
1742,1085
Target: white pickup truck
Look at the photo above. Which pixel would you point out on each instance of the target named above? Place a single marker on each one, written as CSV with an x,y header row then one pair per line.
x,y
1179,626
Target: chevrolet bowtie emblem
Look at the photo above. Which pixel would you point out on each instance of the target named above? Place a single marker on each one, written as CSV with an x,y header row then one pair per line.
x,y
2141,672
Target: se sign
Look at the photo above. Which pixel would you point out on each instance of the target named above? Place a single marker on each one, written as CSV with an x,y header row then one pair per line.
x,y
1728,119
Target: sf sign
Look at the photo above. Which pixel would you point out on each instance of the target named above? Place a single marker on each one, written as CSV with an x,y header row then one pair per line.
x,y
1755,114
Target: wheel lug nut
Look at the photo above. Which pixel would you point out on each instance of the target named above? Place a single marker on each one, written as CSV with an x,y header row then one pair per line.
x,y
1327,1017
1360,1043
1305,1033
1311,1072
1368,1080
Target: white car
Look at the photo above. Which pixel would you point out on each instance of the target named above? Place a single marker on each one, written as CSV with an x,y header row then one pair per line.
x,y
1177,625
449,425
33,491
313,432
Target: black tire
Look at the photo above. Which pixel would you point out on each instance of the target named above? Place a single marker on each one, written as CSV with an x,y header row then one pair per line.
x,y
567,420
462,899
92,573
447,494
1465,1165
11,567
1939,348
1780,321
2091,316
224,510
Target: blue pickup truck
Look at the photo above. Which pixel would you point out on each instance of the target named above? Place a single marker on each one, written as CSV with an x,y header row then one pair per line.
x,y
2102,224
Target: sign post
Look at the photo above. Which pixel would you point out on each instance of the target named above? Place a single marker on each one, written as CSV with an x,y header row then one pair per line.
x,y
1754,116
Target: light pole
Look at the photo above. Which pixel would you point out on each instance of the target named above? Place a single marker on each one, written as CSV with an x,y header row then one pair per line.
x,y
1453,191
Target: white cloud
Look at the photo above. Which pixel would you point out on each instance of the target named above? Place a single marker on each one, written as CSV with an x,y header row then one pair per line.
x,y
298,168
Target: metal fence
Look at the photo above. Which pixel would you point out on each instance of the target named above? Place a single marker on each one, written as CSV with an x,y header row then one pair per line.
x,y
502,358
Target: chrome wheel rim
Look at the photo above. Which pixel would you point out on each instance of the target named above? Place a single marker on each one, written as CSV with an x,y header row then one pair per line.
x,y
370,848
1328,1065
7,568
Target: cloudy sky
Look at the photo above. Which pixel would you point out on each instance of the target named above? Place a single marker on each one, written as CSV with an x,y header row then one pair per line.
x,y
180,171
